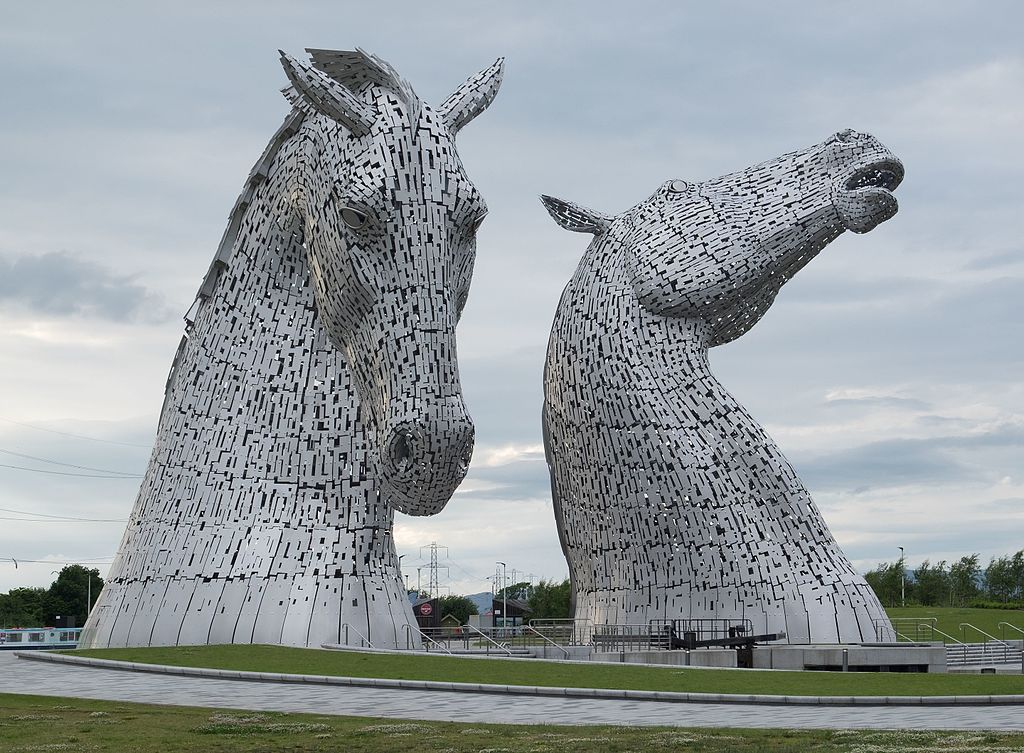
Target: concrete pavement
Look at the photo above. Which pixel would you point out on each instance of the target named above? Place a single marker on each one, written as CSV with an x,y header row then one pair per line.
x,y
44,678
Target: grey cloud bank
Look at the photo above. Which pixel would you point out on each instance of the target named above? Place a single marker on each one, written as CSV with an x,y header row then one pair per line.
x,y
130,130
61,284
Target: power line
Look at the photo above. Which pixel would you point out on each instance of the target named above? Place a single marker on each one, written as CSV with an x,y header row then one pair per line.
x,y
65,473
464,570
64,520
104,561
76,436
60,517
66,465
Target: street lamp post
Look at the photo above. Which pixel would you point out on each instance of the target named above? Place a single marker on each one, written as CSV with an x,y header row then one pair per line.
x,y
903,579
504,595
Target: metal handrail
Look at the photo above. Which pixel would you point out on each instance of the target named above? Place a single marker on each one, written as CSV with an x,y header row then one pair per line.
x,y
895,623
1003,625
947,635
582,629
975,627
985,650
362,637
408,634
489,639
563,649
626,637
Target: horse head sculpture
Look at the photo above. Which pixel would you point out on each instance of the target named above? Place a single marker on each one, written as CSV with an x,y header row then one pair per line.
x,y
316,389
390,221
672,502
721,249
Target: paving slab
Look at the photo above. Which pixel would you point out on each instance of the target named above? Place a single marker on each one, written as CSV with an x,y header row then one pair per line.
x,y
44,678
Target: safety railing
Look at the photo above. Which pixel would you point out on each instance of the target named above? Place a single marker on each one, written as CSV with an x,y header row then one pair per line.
x,y
910,629
702,629
346,629
1002,629
543,637
990,652
489,641
637,637
425,640
565,632
948,638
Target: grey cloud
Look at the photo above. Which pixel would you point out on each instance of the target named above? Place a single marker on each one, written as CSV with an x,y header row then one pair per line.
x,y
897,462
522,479
504,392
62,284
939,543
994,261
839,291
880,401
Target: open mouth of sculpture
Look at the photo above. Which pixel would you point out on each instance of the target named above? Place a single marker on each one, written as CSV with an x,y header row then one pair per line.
x,y
864,200
885,174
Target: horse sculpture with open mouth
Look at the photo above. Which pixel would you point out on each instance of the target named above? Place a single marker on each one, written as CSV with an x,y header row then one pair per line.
x,y
316,389
671,501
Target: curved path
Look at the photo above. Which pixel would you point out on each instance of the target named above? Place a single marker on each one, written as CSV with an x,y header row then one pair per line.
x,y
44,678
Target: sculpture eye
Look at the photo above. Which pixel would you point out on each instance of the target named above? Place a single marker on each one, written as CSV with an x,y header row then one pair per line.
x,y
678,186
355,219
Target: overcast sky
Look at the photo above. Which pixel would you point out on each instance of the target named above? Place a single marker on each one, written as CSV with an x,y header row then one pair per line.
x,y
888,371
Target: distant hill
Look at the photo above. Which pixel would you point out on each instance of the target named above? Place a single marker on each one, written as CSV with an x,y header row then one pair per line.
x,y
482,601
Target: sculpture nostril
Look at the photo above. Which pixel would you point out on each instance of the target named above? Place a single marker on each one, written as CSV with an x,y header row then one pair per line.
x,y
464,461
401,451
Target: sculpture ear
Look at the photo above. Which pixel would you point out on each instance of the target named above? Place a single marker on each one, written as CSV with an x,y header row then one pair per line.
x,y
473,97
574,217
327,96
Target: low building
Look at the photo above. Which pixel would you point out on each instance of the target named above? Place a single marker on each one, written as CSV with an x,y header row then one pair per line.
x,y
518,612
426,612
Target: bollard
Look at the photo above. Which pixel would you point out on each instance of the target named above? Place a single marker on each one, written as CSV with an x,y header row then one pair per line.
x,y
846,660
687,657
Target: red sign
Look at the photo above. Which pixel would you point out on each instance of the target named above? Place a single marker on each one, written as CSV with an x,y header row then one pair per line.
x,y
425,609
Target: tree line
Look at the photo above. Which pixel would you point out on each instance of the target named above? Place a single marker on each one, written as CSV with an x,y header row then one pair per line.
x,y
963,583
546,600
66,597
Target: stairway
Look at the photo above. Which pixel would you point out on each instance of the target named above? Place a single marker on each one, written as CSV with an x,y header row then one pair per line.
x,y
991,653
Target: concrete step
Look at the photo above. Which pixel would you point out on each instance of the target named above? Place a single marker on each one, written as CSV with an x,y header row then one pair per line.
x,y
974,654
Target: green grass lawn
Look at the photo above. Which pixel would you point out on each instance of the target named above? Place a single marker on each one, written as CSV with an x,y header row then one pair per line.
x,y
38,723
950,618
556,674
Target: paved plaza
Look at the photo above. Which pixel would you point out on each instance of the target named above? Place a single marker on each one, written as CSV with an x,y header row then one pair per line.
x,y
40,678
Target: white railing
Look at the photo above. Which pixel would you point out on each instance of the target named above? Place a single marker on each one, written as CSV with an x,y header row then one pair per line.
x,y
424,637
364,641
910,629
488,638
988,647
1002,629
567,631
548,640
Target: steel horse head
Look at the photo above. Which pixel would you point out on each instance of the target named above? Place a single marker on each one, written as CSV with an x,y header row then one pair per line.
x,y
389,219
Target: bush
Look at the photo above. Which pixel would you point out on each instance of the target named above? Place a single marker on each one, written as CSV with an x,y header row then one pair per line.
x,y
981,604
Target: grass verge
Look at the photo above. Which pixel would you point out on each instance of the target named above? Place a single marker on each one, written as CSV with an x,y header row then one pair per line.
x,y
556,674
949,619
39,723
